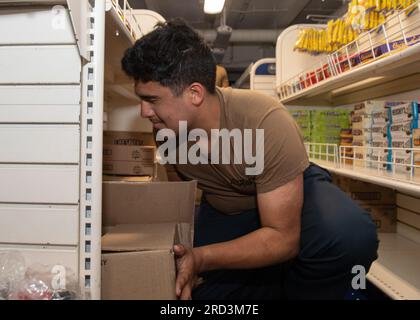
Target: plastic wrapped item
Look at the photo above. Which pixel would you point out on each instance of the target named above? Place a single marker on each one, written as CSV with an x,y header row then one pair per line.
x,y
38,282
12,272
47,283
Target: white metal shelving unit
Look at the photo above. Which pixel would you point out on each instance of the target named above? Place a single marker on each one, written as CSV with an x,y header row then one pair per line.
x,y
397,270
60,65
263,76
321,81
328,156
394,71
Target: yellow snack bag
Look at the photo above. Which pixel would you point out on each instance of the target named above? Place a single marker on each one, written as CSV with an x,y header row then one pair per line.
x,y
330,29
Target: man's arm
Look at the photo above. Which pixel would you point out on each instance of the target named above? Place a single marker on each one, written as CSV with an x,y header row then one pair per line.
x,y
275,242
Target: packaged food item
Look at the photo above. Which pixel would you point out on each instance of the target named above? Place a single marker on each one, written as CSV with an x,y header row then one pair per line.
x,y
416,145
380,132
380,116
361,122
362,135
369,107
361,16
380,159
396,45
401,143
404,112
402,162
402,130
385,144
304,121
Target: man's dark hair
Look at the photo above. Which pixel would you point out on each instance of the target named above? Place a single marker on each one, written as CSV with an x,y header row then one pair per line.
x,y
174,55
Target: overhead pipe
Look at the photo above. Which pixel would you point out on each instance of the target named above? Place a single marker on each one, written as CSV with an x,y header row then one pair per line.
x,y
245,35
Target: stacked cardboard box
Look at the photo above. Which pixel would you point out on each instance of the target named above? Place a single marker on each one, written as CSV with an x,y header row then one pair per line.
x,y
408,212
379,202
129,153
143,221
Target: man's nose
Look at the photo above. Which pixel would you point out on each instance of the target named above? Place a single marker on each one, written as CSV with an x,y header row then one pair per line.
x,y
146,110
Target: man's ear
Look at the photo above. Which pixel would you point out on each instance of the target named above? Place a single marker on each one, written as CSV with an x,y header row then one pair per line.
x,y
196,93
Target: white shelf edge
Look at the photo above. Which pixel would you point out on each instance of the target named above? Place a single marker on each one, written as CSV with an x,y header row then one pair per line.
x,y
368,175
391,284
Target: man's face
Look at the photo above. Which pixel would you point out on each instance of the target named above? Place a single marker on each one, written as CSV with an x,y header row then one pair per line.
x,y
161,106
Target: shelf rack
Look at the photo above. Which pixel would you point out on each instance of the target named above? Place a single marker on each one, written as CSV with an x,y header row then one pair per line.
x,y
386,59
396,272
330,156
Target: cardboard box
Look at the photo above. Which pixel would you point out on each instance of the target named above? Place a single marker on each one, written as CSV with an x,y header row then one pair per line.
x,y
385,217
138,262
129,168
128,138
144,221
366,193
129,153
143,179
160,175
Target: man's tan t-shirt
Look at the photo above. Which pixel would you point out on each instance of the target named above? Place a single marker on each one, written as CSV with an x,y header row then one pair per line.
x,y
227,187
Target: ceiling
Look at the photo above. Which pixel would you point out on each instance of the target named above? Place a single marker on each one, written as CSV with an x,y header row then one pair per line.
x,y
243,15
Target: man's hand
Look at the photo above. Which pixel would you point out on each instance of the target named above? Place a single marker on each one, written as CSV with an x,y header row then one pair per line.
x,y
188,266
